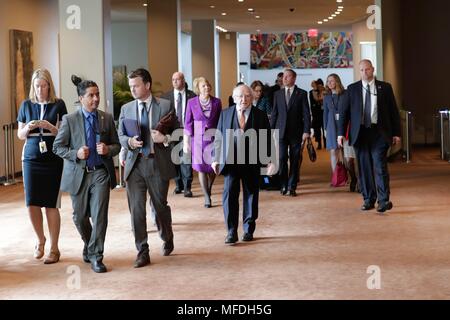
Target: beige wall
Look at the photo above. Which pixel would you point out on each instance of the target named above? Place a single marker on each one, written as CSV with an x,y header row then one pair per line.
x,y
203,50
392,48
40,17
86,52
360,34
163,42
228,65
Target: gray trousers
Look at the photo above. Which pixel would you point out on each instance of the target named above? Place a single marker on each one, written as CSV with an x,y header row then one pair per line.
x,y
92,201
142,179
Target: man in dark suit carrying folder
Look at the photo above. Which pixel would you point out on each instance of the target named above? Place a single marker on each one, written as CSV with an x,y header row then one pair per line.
x,y
148,165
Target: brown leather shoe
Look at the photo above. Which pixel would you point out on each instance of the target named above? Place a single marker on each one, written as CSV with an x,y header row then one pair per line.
x,y
53,257
39,250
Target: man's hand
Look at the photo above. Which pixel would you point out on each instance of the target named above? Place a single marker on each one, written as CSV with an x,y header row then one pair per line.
x,y
216,167
396,140
83,153
158,137
305,136
102,149
271,169
340,141
135,143
187,146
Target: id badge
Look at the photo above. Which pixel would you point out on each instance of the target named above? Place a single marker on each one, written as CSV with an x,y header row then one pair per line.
x,y
42,147
336,116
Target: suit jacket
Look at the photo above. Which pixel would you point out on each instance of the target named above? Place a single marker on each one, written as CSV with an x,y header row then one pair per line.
x,y
352,106
294,119
72,136
169,96
224,140
158,109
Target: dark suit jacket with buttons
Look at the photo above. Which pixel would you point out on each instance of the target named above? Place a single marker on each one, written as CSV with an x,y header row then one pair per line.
x,y
159,108
351,110
72,136
224,138
169,96
294,119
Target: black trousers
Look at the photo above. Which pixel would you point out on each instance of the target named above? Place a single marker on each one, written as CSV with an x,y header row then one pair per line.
x,y
371,151
249,176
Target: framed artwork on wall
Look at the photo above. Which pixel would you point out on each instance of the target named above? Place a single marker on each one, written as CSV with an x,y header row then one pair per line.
x,y
21,58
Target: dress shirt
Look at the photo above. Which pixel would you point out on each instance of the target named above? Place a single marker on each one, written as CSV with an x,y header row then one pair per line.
x,y
373,99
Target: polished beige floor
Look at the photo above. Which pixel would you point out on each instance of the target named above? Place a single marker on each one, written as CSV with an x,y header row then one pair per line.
x,y
316,246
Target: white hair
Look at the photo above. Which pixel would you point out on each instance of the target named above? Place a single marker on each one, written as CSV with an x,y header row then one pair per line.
x,y
237,91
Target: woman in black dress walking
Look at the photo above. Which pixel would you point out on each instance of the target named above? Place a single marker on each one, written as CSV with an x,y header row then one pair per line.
x,y
39,118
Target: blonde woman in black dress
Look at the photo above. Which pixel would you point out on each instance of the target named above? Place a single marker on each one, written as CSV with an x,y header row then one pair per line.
x,y
38,119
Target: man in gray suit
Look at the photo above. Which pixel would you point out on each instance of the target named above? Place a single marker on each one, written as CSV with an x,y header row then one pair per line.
x,y
148,166
179,97
87,141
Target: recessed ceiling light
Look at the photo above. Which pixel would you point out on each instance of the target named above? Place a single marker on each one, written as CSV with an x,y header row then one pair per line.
x,y
241,0
144,4
325,20
257,17
224,13
337,12
339,1
258,30
251,9
333,15
212,7
330,18
319,22
341,7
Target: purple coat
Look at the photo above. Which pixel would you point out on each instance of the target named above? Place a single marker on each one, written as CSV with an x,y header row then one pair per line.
x,y
196,125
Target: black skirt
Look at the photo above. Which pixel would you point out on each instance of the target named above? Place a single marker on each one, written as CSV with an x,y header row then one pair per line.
x,y
42,179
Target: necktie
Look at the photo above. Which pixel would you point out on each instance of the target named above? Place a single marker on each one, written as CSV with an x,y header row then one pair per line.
x,y
288,96
242,119
367,109
180,108
145,131
91,141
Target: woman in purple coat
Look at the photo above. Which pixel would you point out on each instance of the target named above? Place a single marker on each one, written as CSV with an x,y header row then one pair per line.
x,y
202,116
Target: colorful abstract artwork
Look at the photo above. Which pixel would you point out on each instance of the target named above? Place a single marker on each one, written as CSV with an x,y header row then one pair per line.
x,y
300,51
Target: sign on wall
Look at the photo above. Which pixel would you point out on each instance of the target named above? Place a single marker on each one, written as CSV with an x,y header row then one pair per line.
x,y
301,51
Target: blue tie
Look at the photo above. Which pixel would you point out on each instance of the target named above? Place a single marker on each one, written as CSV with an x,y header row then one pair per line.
x,y
145,131
367,109
91,141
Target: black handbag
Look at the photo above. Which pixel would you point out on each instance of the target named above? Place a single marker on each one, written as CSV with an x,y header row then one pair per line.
x,y
311,151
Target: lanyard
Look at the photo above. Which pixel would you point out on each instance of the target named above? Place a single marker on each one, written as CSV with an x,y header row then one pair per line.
x,y
332,101
43,109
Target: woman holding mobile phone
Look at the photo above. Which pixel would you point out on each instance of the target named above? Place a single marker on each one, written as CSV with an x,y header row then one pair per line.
x,y
39,118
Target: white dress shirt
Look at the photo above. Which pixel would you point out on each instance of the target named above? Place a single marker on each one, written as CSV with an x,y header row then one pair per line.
x,y
373,99
183,103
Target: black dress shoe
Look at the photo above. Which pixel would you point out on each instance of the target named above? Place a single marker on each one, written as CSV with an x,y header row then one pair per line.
x,y
98,266
167,248
352,186
283,191
231,239
292,193
247,237
382,207
188,194
177,191
367,206
142,260
85,255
